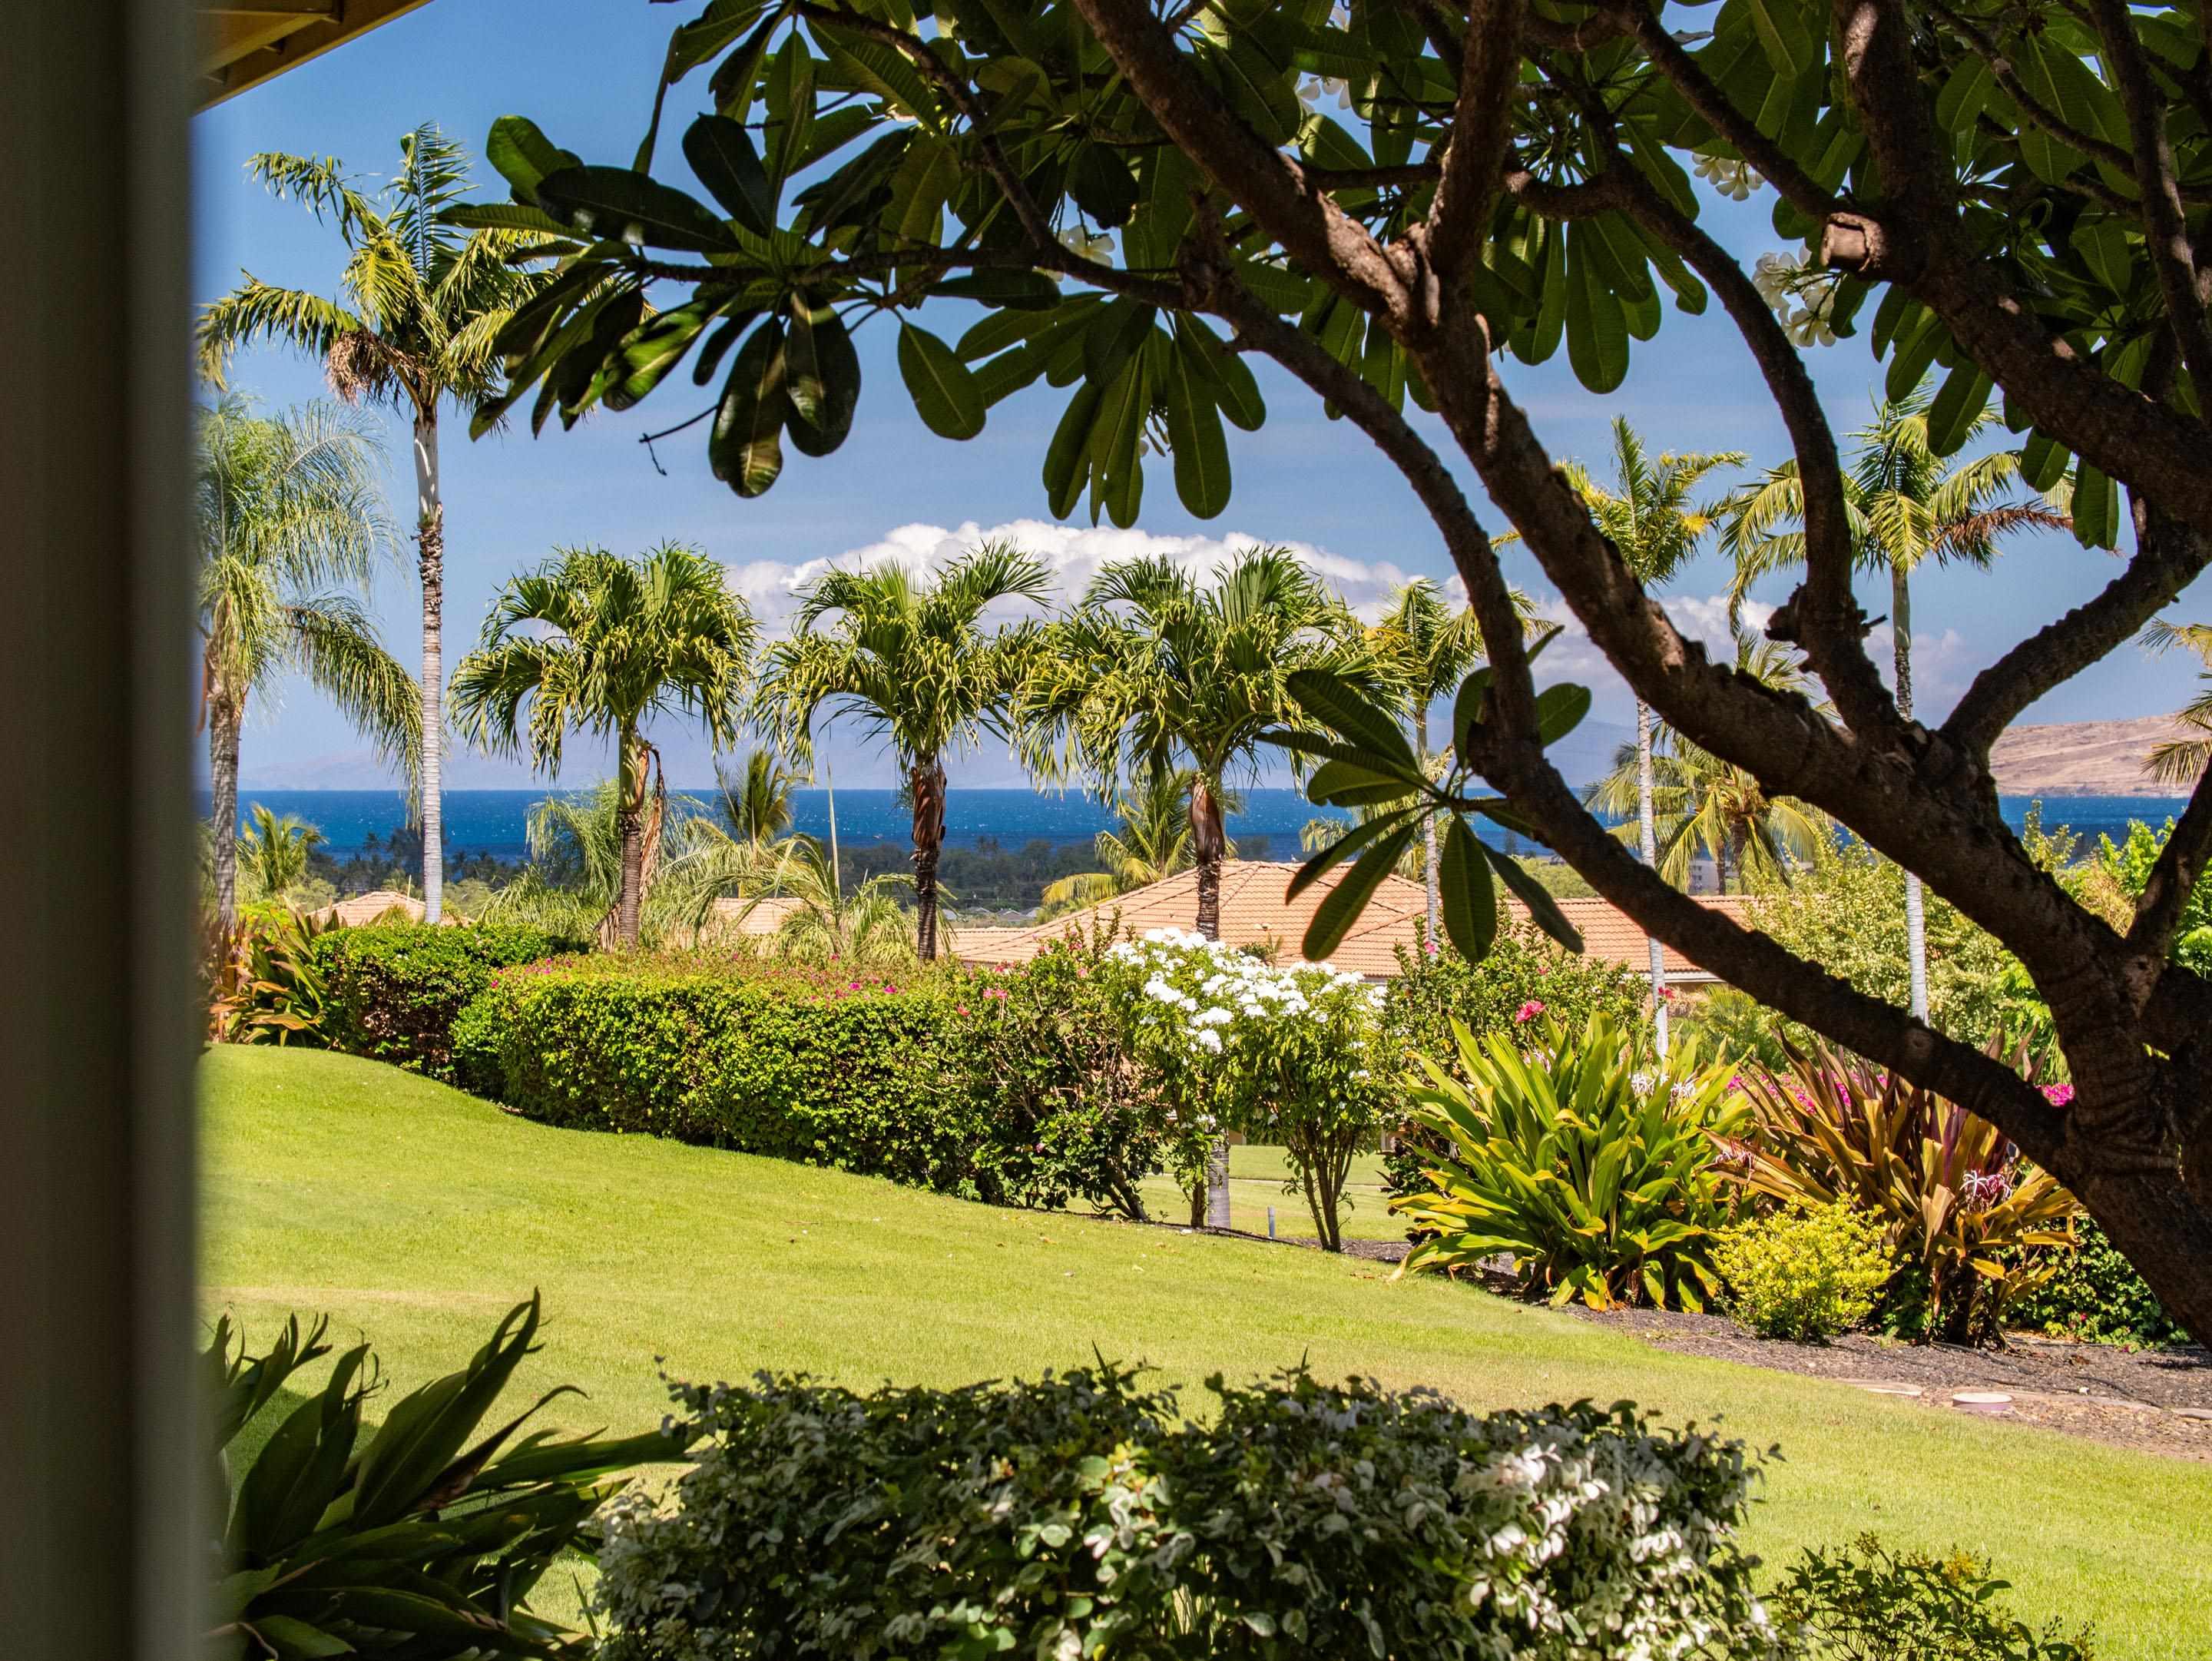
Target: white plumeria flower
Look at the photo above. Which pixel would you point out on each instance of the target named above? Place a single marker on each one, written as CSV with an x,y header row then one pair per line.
x,y
1737,180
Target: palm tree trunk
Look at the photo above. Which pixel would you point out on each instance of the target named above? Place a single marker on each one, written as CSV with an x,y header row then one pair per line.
x,y
1647,833
430,540
1428,830
926,781
223,720
1916,920
1208,842
629,810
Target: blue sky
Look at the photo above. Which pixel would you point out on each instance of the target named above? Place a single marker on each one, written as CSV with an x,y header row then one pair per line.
x,y
585,71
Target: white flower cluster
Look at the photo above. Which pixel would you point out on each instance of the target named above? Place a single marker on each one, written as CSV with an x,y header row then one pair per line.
x,y
1784,280
1210,990
1731,179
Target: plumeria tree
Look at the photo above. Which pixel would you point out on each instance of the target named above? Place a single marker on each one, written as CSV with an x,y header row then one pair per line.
x,y
1288,1055
1129,190
1423,648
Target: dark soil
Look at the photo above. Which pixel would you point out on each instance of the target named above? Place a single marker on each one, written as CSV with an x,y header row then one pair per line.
x,y
2157,1401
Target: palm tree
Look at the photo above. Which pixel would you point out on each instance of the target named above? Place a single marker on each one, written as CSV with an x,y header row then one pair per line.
x,y
273,850
289,524
602,644
756,805
1649,516
1703,803
423,303
1423,648
1152,844
1905,506
2182,761
913,663
1154,672
826,924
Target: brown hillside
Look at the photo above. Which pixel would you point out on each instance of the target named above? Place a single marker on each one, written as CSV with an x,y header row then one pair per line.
x,y
2082,757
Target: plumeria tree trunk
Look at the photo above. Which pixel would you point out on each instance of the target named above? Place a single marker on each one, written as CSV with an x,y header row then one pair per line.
x,y
1916,919
1428,835
430,543
1208,844
1647,840
224,718
926,782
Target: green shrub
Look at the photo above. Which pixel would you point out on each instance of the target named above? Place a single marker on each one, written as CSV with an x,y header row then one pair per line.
x,y
419,1540
1865,1603
900,1076
393,990
1589,1161
1808,1272
1434,989
2097,1295
1078,1516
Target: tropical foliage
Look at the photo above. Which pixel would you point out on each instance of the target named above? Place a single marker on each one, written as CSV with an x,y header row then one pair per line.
x,y
1589,1161
1152,844
1963,1217
1158,672
272,851
823,922
425,306
266,985
601,644
1805,1272
1867,1602
912,662
1079,1514
2181,762
421,1538
289,528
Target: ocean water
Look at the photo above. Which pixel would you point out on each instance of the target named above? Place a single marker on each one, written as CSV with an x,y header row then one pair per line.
x,y
493,821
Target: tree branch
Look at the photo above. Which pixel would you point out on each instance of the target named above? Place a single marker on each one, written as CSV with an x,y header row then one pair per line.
x,y
1824,617
2169,557
2002,71
1474,152
2165,231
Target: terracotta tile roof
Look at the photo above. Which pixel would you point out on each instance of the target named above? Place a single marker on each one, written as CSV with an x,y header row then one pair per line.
x,y
1254,912
363,909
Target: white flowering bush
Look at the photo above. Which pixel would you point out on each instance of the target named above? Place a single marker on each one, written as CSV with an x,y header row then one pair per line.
x,y
1284,1054
1077,1515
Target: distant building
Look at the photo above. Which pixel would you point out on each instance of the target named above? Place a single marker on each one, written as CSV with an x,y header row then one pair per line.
x,y
1255,913
372,907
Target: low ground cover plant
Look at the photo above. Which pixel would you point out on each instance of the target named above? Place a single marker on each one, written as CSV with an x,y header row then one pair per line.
x,y
1865,1602
2095,1295
420,1540
1289,1054
394,991
1587,1159
1970,1226
1080,1515
1805,1272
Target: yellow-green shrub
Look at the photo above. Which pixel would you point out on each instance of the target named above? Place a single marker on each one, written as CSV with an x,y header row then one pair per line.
x,y
1808,1272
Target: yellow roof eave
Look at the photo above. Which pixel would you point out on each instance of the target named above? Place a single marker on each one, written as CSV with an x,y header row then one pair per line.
x,y
243,43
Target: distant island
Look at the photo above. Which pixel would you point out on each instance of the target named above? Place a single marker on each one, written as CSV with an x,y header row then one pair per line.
x,y
2082,757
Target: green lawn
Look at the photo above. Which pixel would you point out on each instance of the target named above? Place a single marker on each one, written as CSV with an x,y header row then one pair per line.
x,y
1256,1176
416,1215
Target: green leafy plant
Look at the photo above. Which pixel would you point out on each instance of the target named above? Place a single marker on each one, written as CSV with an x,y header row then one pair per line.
x,y
1588,1160
394,990
1976,1225
1807,1272
1079,1515
2096,1294
418,1541
1865,1602
267,984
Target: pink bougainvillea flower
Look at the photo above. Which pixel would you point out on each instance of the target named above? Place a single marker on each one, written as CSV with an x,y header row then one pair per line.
x,y
2058,1095
1530,1011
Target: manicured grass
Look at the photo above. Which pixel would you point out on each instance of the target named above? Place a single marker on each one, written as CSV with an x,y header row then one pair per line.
x,y
1256,1176
417,1215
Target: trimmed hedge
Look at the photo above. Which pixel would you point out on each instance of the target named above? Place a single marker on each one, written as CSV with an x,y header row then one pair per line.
x,y
1078,1515
392,992
911,1079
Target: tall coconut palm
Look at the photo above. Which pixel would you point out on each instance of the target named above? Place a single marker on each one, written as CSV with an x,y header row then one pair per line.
x,y
1424,648
424,302
1648,514
2182,761
601,644
1906,507
290,528
911,660
1705,805
1155,670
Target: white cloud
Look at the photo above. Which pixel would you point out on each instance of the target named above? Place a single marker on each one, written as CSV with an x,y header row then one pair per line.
x,y
1071,553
